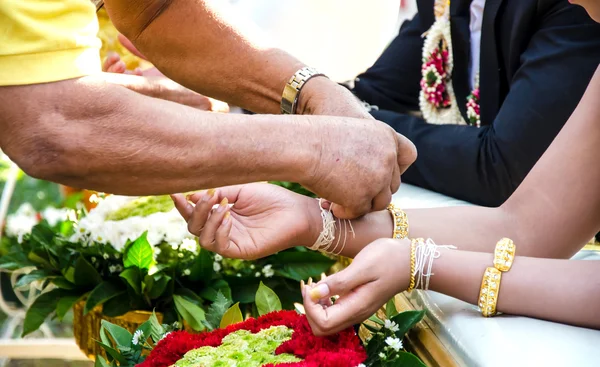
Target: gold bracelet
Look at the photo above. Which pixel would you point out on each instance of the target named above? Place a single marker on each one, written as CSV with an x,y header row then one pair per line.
x,y
488,294
413,262
504,257
400,222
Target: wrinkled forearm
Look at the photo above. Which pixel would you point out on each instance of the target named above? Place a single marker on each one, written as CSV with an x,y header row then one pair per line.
x,y
90,134
195,44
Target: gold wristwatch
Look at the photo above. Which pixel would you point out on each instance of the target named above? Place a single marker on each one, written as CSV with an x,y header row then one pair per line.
x,y
97,3
291,92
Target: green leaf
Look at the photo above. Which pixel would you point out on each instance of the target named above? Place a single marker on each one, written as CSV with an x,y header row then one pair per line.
x,y
120,335
232,316
390,309
376,320
102,293
190,312
14,261
69,274
65,303
202,268
145,328
132,276
210,293
301,265
39,310
112,352
116,306
85,274
62,283
139,253
266,300
101,362
189,294
159,286
406,320
216,311
34,275
40,257
157,330
370,328
406,359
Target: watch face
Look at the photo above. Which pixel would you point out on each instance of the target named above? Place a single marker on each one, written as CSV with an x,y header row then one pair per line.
x,y
97,3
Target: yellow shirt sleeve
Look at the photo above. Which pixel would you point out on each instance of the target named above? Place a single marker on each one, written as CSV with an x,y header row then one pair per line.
x,y
47,40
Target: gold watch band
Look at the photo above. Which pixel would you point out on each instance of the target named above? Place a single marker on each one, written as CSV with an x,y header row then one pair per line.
x,y
291,92
98,3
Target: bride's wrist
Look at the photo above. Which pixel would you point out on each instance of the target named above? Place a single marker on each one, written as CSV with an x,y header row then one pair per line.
x,y
314,222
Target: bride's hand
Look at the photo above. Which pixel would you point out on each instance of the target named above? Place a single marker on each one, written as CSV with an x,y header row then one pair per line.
x,y
263,220
379,272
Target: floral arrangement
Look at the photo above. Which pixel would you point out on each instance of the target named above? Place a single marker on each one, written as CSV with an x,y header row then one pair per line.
x,y
275,338
135,253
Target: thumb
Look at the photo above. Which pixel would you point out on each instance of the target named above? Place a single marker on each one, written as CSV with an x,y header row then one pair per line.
x,y
341,283
344,212
407,152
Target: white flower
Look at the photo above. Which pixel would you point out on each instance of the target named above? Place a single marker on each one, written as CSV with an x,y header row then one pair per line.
x,y
105,256
257,274
165,335
238,275
268,271
361,365
187,272
21,222
252,266
382,355
190,245
216,267
137,337
390,325
218,257
394,343
115,269
53,215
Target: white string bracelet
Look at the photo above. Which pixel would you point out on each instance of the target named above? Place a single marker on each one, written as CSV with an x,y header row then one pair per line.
x,y
426,252
327,236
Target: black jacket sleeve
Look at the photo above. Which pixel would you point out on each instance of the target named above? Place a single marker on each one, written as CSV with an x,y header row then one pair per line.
x,y
484,166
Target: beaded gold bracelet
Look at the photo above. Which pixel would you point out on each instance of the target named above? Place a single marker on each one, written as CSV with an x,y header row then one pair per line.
x,y
413,262
504,256
400,222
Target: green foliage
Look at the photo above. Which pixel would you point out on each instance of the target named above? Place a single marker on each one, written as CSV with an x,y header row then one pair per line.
x,y
139,254
232,316
216,311
191,313
295,187
266,300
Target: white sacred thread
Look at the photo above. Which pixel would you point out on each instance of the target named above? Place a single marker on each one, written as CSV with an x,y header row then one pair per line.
x,y
327,236
426,252
347,222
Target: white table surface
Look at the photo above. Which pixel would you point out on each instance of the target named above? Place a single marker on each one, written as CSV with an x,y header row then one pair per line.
x,y
502,340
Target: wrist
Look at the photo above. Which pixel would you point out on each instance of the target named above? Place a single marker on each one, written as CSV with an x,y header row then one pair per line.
x,y
314,222
313,93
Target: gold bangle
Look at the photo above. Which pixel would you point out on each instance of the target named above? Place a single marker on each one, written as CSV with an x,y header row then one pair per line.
x,y
413,262
400,222
488,294
504,254
504,257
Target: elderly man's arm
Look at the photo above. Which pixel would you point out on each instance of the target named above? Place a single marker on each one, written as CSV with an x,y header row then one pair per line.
x,y
207,49
88,133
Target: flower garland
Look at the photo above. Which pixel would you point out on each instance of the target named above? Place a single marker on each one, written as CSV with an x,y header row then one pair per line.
x,y
437,99
341,350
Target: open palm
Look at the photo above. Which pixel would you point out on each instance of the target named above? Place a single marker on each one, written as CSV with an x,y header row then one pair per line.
x,y
263,220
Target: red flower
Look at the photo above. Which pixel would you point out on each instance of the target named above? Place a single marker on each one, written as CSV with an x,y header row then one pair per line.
x,y
341,350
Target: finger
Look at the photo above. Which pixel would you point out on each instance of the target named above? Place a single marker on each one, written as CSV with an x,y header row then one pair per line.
x,y
350,309
343,282
129,46
407,153
207,237
382,200
183,206
201,212
230,192
396,179
111,59
117,68
223,232
344,212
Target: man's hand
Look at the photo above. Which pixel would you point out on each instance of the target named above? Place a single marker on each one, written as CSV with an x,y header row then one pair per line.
x,y
359,166
321,96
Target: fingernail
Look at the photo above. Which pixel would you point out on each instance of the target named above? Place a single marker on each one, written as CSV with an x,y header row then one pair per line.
x,y
208,195
226,218
223,205
320,291
302,288
310,281
323,276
